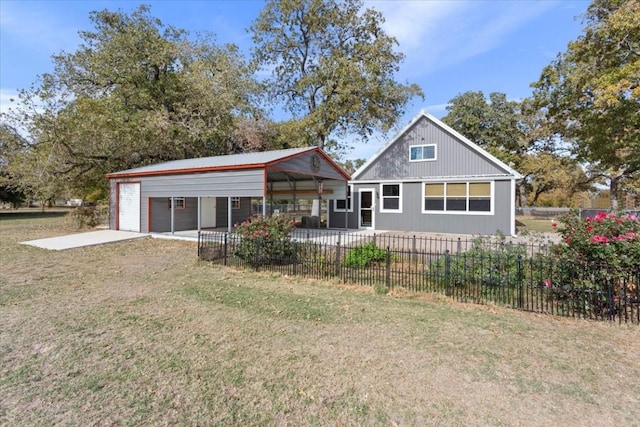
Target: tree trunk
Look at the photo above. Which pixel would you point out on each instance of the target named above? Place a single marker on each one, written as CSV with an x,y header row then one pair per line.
x,y
522,194
613,191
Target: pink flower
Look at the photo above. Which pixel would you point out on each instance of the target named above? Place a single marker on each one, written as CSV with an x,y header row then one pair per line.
x,y
589,219
631,217
620,237
599,239
631,235
554,224
589,227
547,283
568,240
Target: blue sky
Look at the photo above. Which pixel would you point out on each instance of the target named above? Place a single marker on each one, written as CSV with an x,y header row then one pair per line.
x,y
451,46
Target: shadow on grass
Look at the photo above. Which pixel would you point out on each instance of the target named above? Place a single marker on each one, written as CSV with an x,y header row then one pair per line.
x,y
32,213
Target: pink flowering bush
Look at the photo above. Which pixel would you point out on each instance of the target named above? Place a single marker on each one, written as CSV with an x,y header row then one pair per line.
x,y
605,239
265,240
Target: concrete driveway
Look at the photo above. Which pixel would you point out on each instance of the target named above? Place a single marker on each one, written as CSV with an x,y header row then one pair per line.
x,y
79,240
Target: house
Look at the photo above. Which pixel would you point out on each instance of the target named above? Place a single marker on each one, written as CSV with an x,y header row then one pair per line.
x,y
430,178
217,192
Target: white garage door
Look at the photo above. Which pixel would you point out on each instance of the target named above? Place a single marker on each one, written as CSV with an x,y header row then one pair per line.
x,y
129,207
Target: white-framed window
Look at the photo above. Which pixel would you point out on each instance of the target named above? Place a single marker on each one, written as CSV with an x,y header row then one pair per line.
x,y
422,153
458,197
235,203
180,202
342,205
391,197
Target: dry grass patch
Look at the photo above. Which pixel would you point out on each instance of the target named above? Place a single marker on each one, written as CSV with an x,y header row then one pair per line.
x,y
140,332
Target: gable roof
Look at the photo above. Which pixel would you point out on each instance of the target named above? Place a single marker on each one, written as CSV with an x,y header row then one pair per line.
x,y
253,160
424,115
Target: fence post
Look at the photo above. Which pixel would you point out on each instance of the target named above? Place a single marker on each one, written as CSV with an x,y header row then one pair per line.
x,y
337,271
256,261
226,248
387,280
447,273
459,247
296,255
199,244
610,302
520,283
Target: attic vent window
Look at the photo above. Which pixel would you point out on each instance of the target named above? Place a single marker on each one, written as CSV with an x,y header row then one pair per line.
x,y
421,153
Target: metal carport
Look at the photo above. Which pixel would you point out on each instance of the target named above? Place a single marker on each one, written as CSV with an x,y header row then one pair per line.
x,y
170,190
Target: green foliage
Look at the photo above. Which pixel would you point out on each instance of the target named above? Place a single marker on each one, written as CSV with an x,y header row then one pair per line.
x,y
591,92
611,240
266,240
134,92
364,256
333,66
486,263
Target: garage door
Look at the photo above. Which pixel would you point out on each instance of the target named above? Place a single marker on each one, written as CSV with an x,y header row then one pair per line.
x,y
129,207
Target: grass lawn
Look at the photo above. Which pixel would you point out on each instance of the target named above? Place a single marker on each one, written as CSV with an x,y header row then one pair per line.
x,y
142,333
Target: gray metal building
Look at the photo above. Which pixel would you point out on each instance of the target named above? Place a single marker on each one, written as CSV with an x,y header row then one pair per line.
x,y
430,178
216,192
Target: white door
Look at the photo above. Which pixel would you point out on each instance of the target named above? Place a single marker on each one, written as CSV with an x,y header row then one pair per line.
x,y
367,209
208,212
129,207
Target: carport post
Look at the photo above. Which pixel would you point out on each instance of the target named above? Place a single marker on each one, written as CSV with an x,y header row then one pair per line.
x,y
229,216
173,207
264,207
346,205
199,219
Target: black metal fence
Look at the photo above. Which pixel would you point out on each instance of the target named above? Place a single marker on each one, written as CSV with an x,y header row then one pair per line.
x,y
482,270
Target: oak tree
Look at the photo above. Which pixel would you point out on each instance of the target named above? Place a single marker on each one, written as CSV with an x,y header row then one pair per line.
x,y
591,92
134,92
333,67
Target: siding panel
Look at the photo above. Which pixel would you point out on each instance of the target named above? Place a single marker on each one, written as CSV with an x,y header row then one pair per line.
x,y
453,158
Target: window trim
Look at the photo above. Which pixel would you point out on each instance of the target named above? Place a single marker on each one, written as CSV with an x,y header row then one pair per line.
x,y
435,153
492,198
380,195
235,202
178,199
349,200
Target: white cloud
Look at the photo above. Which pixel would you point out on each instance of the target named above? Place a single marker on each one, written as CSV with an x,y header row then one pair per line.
x,y
439,34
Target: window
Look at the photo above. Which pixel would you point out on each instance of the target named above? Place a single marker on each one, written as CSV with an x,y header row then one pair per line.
x,y
235,203
434,197
457,197
180,202
391,195
420,153
480,196
340,205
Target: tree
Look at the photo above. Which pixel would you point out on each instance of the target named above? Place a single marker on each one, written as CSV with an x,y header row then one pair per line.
x,y
135,92
333,66
591,92
518,136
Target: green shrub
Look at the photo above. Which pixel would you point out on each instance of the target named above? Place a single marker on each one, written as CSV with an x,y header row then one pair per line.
x,y
266,240
364,256
598,251
486,263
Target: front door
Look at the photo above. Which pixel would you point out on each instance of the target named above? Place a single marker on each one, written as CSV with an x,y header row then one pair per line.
x,y
367,207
